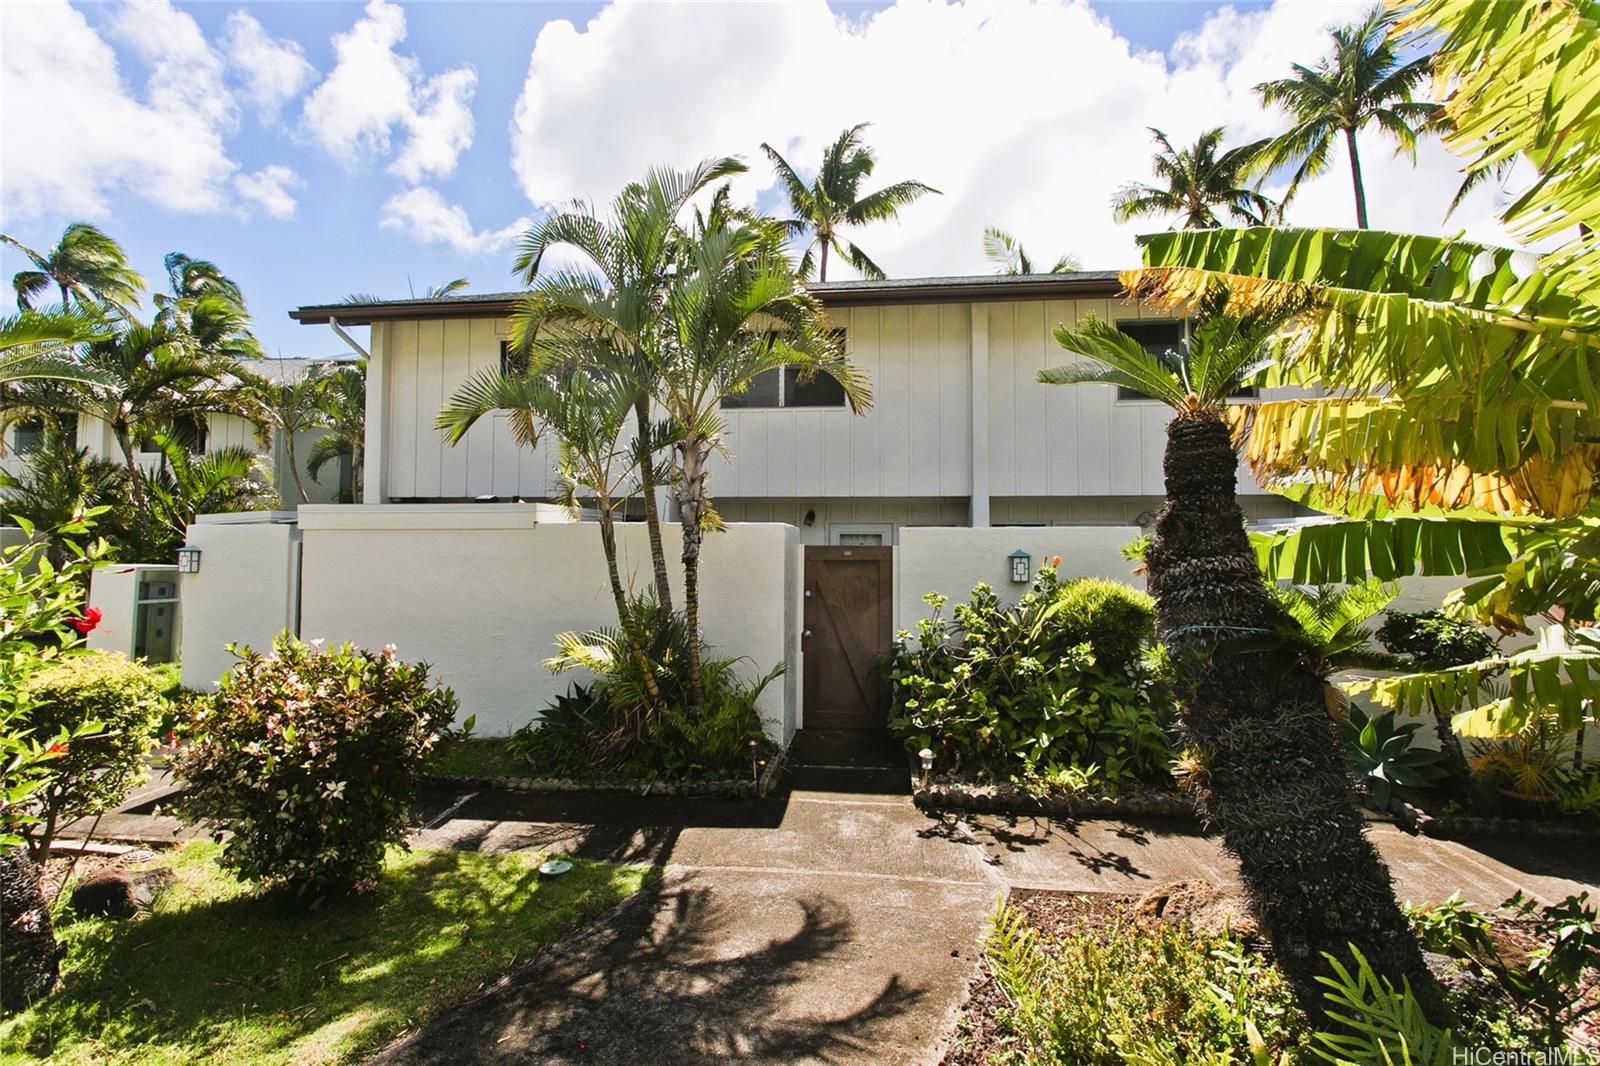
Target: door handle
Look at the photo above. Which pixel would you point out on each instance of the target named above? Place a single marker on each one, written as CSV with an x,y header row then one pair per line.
x,y
805,632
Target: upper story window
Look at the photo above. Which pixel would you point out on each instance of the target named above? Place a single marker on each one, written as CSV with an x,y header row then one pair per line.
x,y
783,387
512,362
1157,336
29,435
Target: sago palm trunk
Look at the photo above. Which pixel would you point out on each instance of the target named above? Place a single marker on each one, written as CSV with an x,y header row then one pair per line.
x,y
652,514
29,954
1269,772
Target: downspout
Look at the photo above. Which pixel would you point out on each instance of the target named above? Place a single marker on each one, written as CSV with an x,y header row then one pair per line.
x,y
355,346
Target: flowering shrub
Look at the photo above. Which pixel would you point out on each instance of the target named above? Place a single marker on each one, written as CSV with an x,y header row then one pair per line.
x,y
309,760
113,707
1061,689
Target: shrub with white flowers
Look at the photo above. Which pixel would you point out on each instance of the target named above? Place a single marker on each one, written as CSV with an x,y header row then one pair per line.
x,y
306,762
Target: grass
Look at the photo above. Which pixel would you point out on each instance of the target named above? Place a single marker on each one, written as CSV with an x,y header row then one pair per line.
x,y
479,757
215,973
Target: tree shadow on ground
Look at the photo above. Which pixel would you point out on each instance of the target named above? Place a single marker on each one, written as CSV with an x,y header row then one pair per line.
x,y
261,974
1017,834
657,983
1543,858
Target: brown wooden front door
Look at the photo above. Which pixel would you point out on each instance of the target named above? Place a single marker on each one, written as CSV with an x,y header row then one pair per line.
x,y
848,624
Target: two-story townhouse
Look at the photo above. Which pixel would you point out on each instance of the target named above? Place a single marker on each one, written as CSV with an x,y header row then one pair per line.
x,y
960,432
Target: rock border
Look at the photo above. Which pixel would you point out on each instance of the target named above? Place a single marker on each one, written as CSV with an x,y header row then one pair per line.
x,y
733,788
1471,826
1008,799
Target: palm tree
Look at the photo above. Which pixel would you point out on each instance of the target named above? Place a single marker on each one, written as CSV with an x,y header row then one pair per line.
x,y
610,307
189,277
735,309
58,482
1199,181
1008,256
39,345
586,409
342,401
1360,83
432,292
222,481
1264,762
286,408
834,200
85,264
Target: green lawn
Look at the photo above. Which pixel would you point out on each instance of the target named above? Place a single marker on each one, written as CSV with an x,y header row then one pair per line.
x,y
479,757
214,974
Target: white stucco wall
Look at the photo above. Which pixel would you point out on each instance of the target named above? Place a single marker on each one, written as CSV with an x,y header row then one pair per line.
x,y
246,589
952,560
113,589
481,591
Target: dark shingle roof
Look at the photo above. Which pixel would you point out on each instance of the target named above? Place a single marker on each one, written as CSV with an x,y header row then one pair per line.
x,y
977,287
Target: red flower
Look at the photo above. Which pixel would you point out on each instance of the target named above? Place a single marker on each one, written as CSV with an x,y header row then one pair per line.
x,y
89,621
58,748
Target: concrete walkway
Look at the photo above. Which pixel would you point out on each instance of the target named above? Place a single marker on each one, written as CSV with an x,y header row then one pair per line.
x,y
828,926
832,922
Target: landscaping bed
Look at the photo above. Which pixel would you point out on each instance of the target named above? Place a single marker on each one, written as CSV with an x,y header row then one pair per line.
x,y
215,973
492,762
1472,826
1135,800
1181,975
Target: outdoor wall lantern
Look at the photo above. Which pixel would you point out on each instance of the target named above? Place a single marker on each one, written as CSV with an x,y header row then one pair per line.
x,y
1021,567
188,559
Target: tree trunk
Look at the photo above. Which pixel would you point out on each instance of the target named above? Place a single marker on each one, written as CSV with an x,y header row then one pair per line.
x,y
357,472
29,955
1271,774
691,498
294,465
652,514
608,541
1355,179
822,263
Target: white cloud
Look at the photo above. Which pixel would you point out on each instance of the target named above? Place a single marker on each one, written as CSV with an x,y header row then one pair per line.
x,y
268,189
75,135
425,215
273,70
373,89
1027,116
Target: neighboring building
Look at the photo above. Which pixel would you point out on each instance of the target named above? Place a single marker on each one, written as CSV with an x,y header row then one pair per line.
x,y
960,432
218,431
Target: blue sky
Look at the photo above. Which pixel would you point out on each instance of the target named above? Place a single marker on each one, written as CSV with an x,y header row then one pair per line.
x,y
418,148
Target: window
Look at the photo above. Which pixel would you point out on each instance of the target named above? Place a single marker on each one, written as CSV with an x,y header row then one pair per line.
x,y
861,534
1156,337
510,362
782,387
30,435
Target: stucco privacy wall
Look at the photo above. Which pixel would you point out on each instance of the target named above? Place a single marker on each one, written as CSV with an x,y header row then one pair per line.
x,y
245,591
481,592
951,560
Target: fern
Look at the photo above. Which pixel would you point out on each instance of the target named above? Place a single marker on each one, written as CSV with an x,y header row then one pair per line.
x,y
1381,1027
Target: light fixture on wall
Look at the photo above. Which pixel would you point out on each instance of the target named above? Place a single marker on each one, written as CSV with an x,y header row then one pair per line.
x,y
810,519
188,559
1021,567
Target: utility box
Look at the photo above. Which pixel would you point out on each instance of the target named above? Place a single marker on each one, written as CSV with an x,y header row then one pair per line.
x,y
138,604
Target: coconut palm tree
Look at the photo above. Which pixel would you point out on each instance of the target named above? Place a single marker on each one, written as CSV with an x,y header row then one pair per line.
x,y
1360,83
612,303
342,401
85,266
1199,181
1008,256
834,200
735,309
1264,762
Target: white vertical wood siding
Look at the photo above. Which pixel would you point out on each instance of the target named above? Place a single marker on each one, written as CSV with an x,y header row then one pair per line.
x,y
915,441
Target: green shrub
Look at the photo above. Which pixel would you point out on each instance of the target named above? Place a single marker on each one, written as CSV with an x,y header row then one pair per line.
x,y
306,761
1384,757
1061,689
1433,641
113,708
634,720
1124,992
